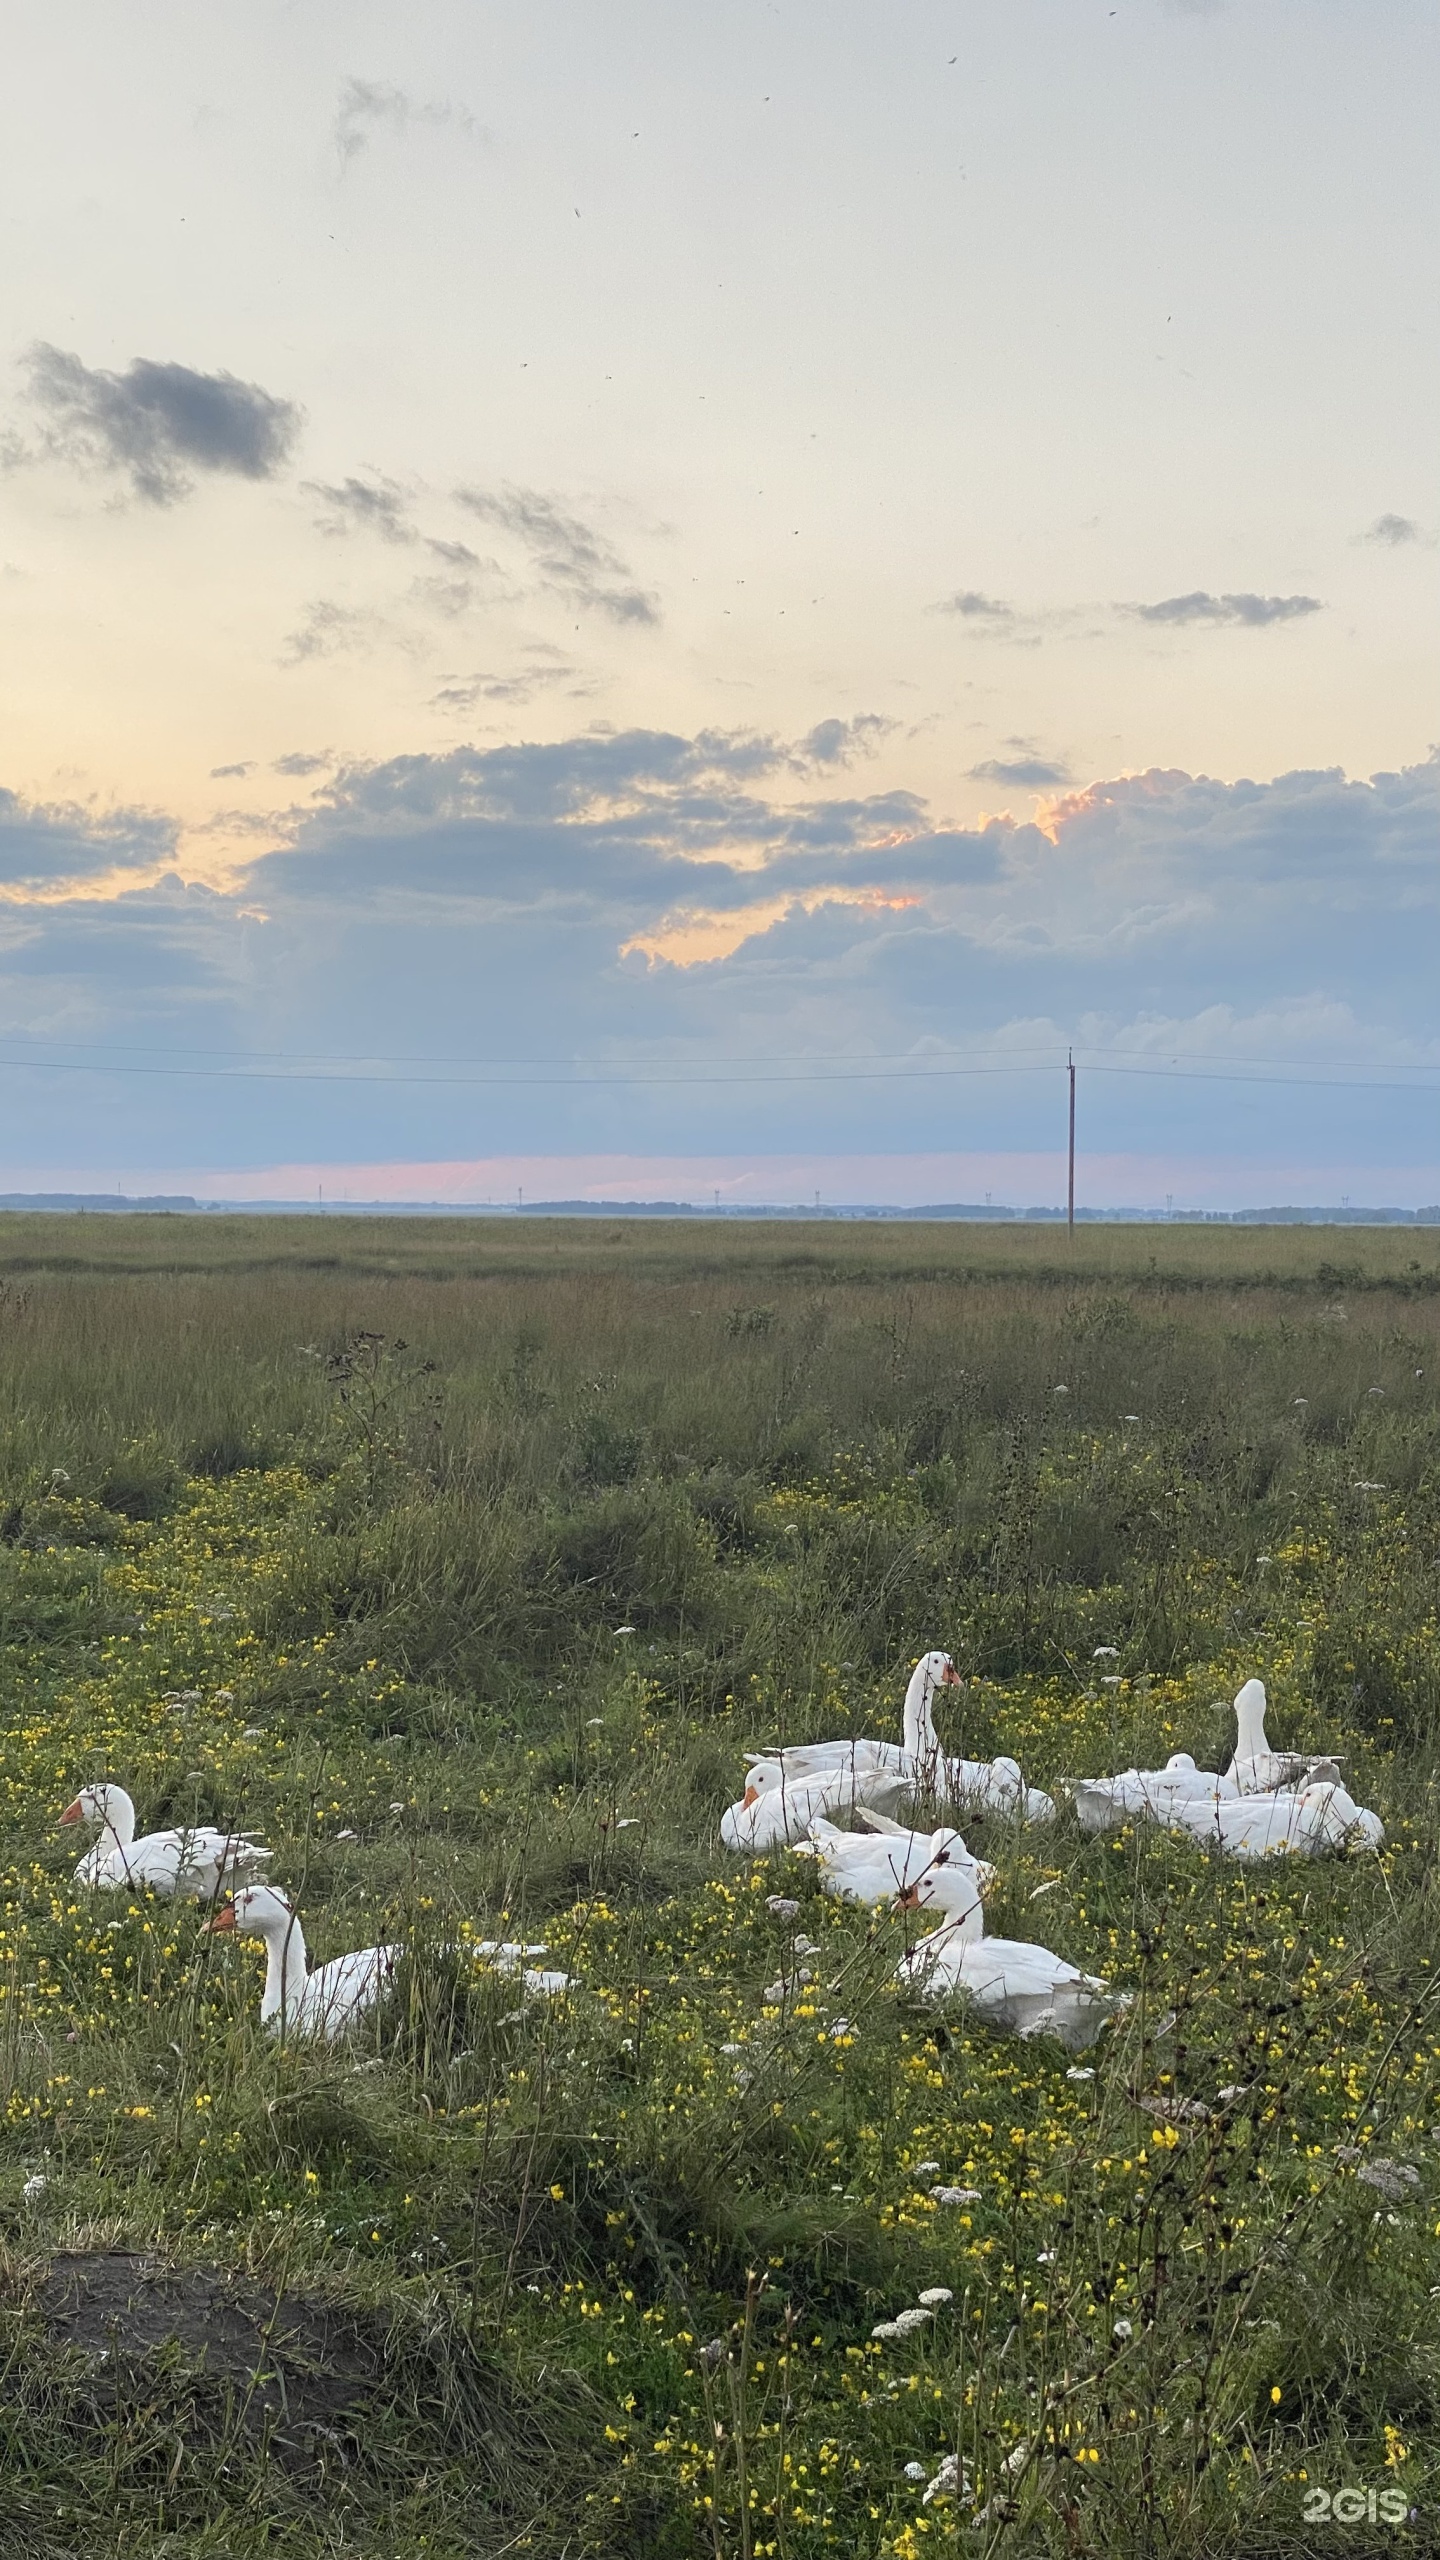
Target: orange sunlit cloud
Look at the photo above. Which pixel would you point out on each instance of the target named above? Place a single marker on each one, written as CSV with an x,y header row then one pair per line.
x,y
704,934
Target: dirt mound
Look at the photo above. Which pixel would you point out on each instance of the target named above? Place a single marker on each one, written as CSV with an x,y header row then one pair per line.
x,y
297,2372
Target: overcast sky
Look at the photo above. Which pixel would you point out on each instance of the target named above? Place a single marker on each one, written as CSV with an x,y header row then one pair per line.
x,y
626,577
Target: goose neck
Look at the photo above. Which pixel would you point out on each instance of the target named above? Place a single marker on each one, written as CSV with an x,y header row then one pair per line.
x,y
118,1820
286,1966
921,1739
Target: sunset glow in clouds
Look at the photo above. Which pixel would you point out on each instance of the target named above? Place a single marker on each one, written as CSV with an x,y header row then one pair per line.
x,y
641,585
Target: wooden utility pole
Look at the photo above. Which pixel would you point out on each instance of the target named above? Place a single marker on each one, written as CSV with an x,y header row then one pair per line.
x,y
1070,1210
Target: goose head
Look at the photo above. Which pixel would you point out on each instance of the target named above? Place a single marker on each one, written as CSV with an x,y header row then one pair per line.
x,y
256,1911
952,1888
1181,1760
950,1881
108,1808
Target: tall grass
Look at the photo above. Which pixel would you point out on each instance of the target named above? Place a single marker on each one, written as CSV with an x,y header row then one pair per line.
x,y
462,1561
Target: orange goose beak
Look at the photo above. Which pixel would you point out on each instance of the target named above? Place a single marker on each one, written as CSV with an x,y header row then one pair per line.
x,y
950,1677
73,1812
908,1898
223,1919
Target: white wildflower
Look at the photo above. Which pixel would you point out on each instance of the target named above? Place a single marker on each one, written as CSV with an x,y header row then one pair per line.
x,y
781,1907
915,2471
1080,2071
904,2325
34,2188
951,2480
926,2168
1123,2330
956,2195
934,2295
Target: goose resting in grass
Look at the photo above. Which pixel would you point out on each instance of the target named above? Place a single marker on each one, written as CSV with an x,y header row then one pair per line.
x,y
920,1740
858,1866
196,1863
297,2002
777,1809
970,1786
1139,1795
1010,1983
1321,1816
1170,1794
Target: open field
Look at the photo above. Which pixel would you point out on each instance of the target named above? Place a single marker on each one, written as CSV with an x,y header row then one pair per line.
x,y
337,1528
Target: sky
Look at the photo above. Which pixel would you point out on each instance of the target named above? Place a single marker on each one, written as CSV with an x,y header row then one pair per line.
x,y
605,600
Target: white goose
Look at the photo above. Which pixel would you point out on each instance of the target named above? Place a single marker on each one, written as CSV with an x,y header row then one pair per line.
x,y
971,1786
1138,1795
296,2001
777,1809
859,1867
920,1740
1321,1816
1256,1769
196,1863
1009,1982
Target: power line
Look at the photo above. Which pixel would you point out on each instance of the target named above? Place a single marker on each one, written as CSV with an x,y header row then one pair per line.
x,y
1055,1053
665,1076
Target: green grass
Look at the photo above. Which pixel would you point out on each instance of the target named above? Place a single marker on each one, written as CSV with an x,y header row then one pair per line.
x,y
600,2277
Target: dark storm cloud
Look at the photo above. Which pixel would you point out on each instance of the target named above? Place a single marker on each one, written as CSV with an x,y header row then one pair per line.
x,y
158,423
570,557
1248,612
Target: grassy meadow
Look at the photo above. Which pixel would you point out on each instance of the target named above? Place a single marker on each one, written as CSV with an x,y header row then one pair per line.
x,y
461,1561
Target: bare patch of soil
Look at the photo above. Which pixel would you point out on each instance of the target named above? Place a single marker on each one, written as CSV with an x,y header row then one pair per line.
x,y
292,2370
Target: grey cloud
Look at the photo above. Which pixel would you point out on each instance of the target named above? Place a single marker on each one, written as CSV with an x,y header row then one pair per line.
x,y
572,559
839,742
43,844
1025,772
1392,531
369,506
328,630
230,772
1238,919
1251,612
159,423
299,764
366,105
973,607
543,670
457,555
